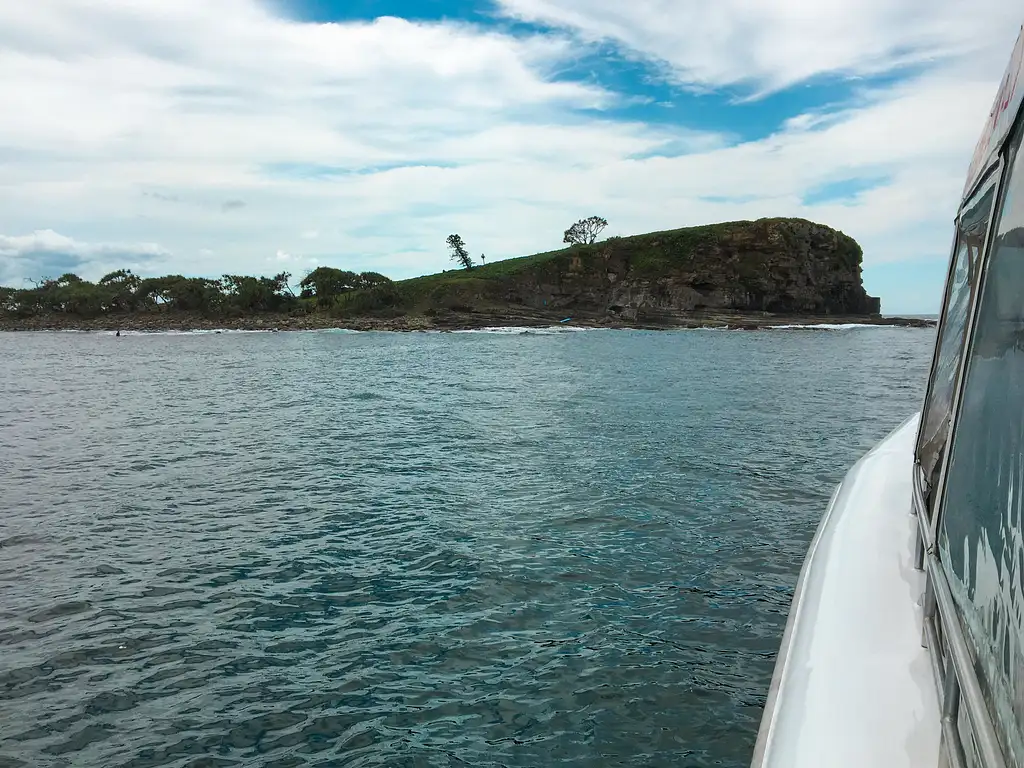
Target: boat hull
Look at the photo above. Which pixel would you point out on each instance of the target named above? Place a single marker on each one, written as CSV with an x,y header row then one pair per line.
x,y
853,685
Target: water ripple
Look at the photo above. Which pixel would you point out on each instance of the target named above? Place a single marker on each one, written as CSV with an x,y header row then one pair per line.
x,y
415,550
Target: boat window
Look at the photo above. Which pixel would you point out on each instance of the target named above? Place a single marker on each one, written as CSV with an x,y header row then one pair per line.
x,y
972,227
982,519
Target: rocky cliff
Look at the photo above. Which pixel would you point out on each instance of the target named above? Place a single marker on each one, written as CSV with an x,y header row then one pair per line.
x,y
786,266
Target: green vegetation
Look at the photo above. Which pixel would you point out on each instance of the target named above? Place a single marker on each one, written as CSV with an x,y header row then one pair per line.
x,y
326,284
459,253
232,295
585,231
656,252
738,254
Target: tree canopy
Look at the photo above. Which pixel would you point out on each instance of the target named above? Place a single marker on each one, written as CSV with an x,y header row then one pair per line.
x,y
585,231
123,291
459,253
326,284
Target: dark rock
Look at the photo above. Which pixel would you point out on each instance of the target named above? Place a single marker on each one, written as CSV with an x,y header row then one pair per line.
x,y
780,266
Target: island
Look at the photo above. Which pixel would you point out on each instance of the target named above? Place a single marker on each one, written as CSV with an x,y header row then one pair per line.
x,y
741,275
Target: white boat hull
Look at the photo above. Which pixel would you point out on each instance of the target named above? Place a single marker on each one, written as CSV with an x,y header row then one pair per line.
x,y
853,685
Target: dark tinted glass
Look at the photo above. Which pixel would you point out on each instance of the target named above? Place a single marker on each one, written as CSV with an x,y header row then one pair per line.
x,y
949,348
982,523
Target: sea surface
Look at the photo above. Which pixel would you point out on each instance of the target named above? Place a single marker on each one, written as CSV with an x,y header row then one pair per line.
x,y
369,549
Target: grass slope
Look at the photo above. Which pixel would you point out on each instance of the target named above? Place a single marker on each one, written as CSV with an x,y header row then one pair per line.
x,y
651,252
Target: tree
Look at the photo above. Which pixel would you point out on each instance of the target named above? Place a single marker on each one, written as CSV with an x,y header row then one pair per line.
x,y
459,253
27,302
180,293
8,300
155,291
483,259
68,293
325,283
283,282
121,277
232,295
85,299
262,294
372,280
585,231
121,288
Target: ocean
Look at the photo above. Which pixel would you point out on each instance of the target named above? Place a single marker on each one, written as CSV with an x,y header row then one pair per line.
x,y
544,548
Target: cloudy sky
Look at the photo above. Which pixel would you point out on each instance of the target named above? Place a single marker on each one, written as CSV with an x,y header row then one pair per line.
x,y
253,136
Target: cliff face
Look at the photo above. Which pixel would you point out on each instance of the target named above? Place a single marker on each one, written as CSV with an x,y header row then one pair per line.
x,y
789,266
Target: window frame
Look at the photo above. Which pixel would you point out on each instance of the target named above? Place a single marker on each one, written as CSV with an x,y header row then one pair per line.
x,y
935,495
1003,176
1011,159
952,650
947,295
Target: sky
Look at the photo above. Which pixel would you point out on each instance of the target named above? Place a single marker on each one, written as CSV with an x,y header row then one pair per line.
x,y
259,136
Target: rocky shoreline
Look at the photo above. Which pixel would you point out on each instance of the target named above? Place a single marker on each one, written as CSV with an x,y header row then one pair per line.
x,y
149,322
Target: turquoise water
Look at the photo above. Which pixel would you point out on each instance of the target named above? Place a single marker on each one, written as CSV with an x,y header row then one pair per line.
x,y
328,549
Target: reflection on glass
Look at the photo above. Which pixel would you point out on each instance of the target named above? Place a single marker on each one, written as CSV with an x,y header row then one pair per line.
x,y
963,283
982,520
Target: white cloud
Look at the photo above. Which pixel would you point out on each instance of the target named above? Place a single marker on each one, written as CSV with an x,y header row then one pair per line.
x,y
770,44
46,253
234,138
285,260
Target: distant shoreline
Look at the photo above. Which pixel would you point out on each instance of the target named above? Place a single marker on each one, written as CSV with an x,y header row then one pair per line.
x,y
442,321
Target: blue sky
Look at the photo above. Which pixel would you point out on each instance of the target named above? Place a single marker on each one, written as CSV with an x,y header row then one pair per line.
x,y
249,136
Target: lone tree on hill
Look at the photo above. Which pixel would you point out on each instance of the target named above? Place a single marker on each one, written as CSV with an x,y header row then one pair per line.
x,y
459,253
585,231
